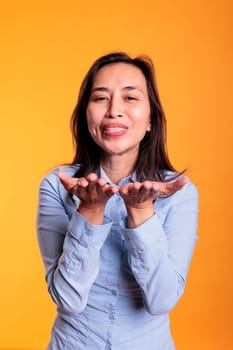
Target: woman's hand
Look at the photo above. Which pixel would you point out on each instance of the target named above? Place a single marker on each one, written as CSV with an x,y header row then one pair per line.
x,y
139,198
93,193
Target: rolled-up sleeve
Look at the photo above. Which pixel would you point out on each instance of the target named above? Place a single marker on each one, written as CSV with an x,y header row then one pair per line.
x,y
160,250
69,248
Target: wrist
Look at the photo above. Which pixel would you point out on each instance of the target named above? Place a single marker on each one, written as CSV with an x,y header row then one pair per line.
x,y
93,213
137,216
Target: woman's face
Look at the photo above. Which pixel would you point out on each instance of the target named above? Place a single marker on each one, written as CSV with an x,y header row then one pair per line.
x,y
118,111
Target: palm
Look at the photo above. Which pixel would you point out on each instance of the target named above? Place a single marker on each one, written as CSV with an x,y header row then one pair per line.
x,y
142,193
91,190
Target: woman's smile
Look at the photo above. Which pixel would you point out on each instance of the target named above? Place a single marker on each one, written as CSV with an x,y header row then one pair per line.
x,y
114,129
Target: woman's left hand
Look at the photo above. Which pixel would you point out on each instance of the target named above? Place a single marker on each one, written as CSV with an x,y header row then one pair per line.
x,y
137,193
139,197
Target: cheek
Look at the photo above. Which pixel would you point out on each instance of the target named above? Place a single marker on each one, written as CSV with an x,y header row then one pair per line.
x,y
91,118
94,115
94,123
142,116
89,115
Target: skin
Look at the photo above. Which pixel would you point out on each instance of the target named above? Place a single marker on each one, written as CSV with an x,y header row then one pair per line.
x,y
118,116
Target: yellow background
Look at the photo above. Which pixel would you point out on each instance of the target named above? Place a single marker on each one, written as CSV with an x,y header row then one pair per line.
x,y
46,48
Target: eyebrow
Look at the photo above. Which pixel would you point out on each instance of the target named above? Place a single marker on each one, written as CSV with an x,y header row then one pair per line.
x,y
103,88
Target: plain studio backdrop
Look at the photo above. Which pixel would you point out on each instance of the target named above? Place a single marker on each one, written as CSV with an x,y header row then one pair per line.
x,y
46,48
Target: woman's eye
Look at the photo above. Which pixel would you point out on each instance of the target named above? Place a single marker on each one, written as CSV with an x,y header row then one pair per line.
x,y
131,98
100,98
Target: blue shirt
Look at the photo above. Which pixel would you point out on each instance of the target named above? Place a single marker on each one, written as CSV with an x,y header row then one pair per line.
x,y
114,286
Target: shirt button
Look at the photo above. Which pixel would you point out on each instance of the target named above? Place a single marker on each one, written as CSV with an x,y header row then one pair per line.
x,y
114,292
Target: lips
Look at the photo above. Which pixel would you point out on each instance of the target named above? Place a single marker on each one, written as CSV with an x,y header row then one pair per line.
x,y
114,129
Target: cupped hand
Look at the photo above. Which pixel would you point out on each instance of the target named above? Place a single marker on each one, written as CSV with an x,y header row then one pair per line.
x,y
139,198
94,193
91,190
140,193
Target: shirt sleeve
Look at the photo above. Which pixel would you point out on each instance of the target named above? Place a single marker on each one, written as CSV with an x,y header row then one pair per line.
x,y
160,251
69,248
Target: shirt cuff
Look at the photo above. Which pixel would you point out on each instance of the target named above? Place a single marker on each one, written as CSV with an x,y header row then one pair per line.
x,y
87,233
145,235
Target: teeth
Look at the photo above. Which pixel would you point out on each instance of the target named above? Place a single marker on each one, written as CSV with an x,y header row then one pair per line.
x,y
115,129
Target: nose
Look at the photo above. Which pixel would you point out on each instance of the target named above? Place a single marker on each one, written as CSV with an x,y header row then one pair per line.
x,y
115,108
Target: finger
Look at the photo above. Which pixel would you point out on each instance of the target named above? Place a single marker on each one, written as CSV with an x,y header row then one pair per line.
x,y
103,185
63,176
68,182
176,185
92,184
101,182
82,183
181,182
149,191
134,188
141,191
123,190
96,185
156,190
110,190
167,189
92,178
146,187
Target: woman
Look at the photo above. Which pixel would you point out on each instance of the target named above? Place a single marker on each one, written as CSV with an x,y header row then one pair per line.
x,y
117,227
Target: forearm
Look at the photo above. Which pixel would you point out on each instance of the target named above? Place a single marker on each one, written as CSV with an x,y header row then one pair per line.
x,y
151,266
71,277
158,277
160,251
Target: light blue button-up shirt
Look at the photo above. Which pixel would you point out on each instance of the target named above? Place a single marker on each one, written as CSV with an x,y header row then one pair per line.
x,y
114,286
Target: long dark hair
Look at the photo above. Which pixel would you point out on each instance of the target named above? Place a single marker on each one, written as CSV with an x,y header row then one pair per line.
x,y
153,161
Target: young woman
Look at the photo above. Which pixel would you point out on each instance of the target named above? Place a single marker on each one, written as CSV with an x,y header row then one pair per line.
x,y
117,227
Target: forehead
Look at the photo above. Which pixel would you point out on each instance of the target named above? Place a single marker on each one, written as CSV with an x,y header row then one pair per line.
x,y
120,74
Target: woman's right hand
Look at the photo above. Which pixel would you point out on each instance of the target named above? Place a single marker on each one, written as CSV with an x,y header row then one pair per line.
x,y
93,193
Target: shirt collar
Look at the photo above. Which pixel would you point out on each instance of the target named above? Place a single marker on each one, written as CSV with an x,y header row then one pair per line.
x,y
131,178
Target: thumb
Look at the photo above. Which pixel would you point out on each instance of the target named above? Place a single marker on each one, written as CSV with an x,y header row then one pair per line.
x,y
181,182
67,181
63,176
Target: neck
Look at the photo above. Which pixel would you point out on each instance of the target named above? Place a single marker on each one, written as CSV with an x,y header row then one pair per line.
x,y
117,168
